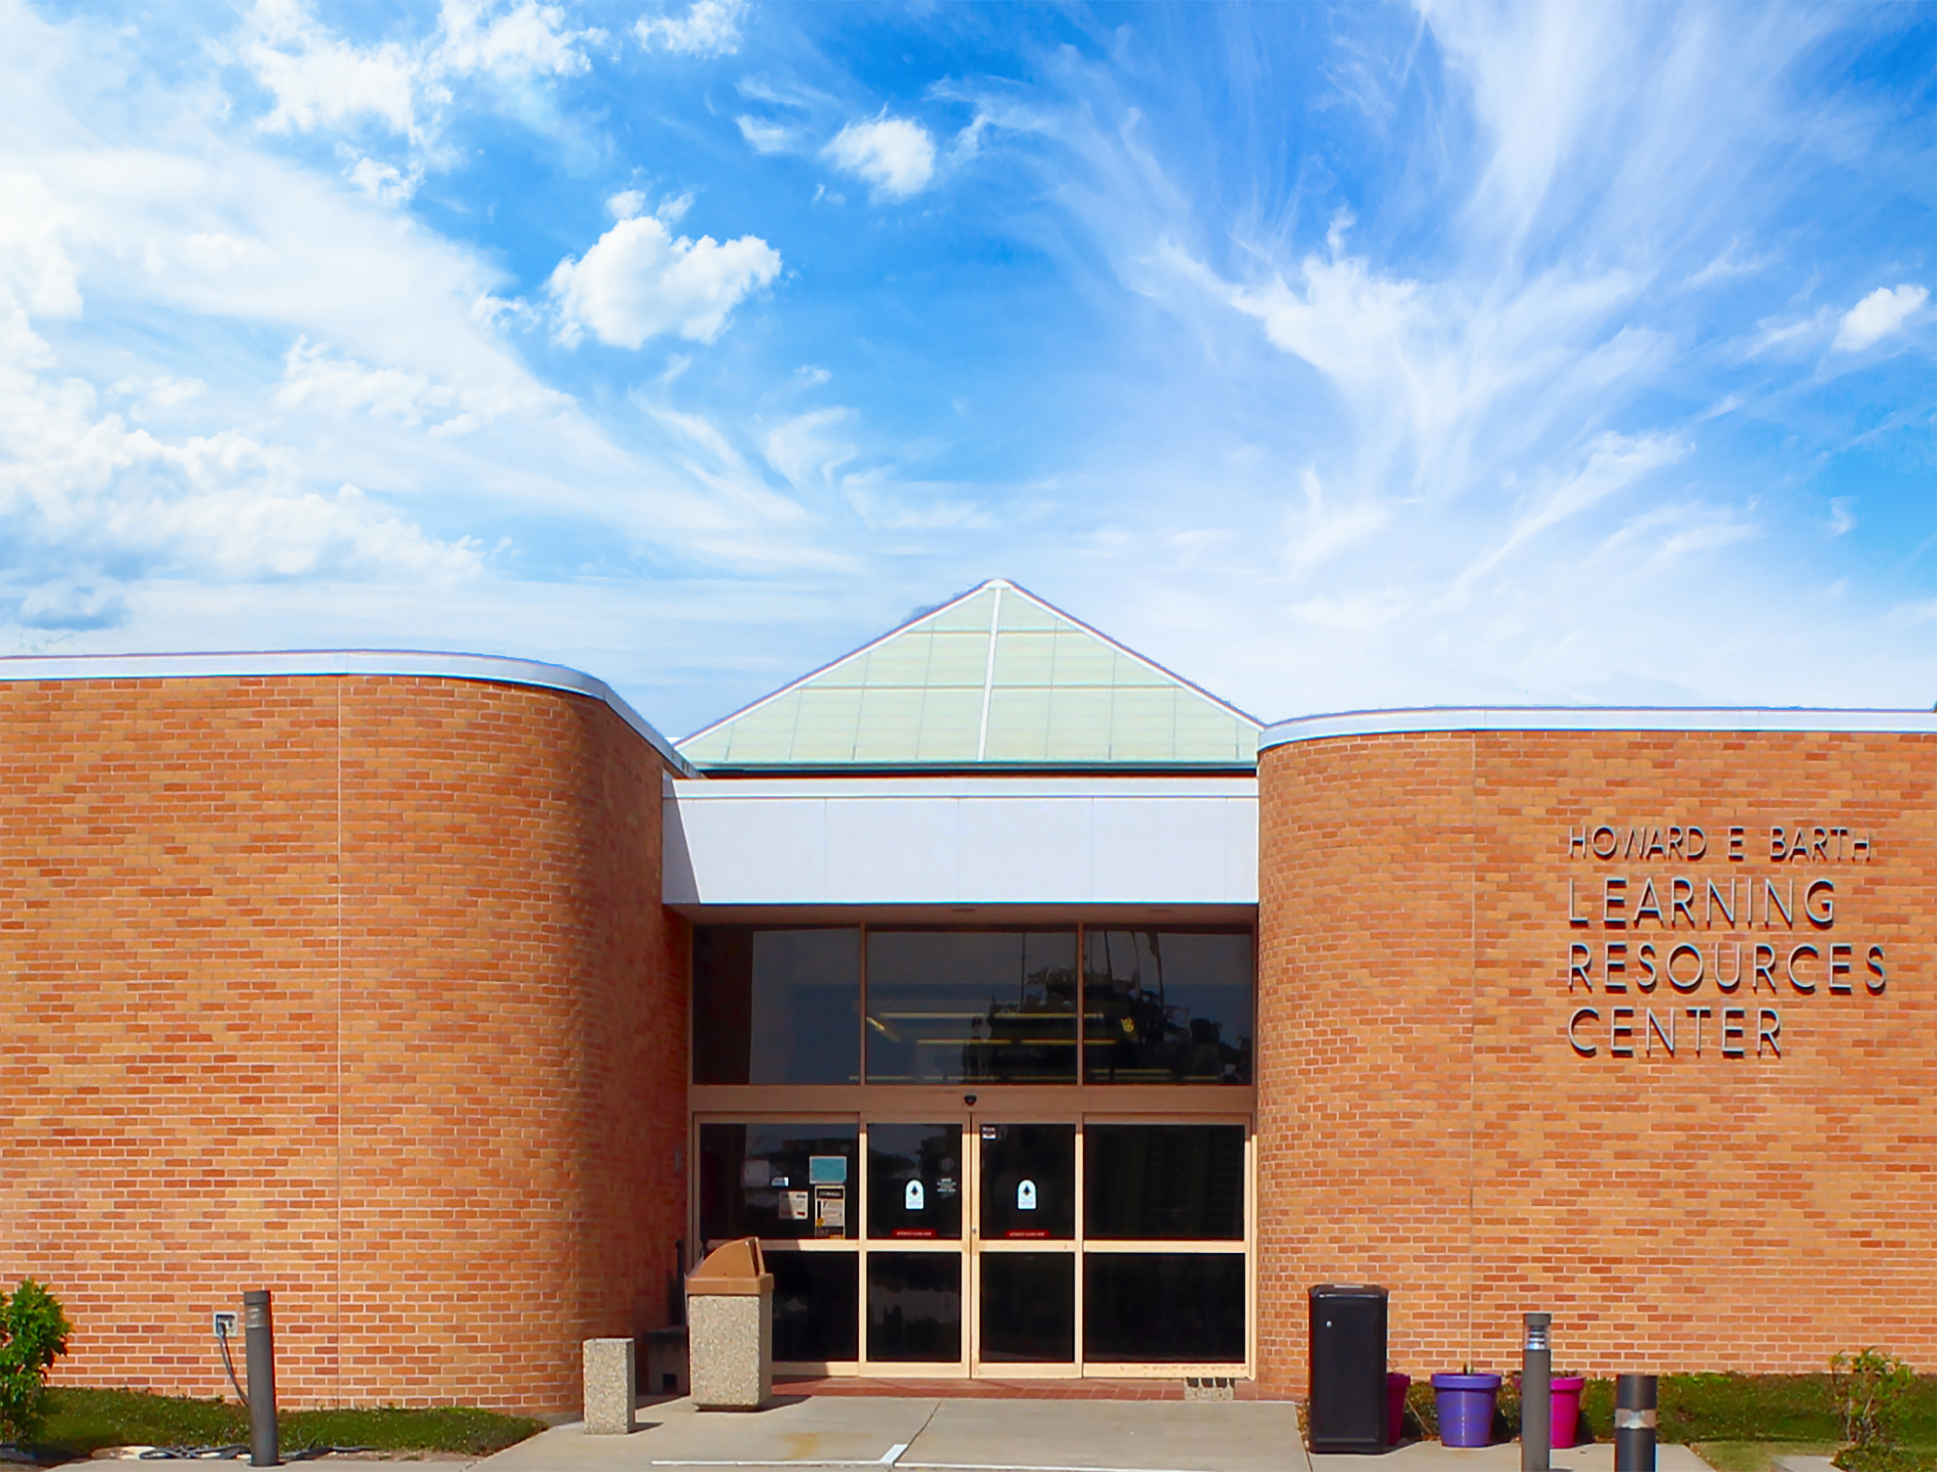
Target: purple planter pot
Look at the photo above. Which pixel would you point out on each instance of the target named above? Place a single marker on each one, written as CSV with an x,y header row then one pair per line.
x,y
1465,1406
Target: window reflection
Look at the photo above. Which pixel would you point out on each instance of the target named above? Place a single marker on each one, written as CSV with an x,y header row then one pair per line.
x,y
1167,1006
776,1006
777,1180
970,1006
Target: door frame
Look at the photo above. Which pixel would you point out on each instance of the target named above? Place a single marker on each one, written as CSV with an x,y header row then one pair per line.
x,y
1004,1106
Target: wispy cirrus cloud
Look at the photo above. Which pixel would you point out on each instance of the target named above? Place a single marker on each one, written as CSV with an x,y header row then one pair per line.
x,y
708,28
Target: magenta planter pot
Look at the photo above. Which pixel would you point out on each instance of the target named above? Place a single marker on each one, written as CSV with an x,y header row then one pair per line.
x,y
1465,1406
1566,1409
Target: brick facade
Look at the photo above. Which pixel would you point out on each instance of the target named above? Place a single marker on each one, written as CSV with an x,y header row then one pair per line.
x,y
357,988
1425,1123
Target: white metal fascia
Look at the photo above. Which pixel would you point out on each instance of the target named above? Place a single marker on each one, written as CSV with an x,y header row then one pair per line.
x,y
1692,719
488,669
943,840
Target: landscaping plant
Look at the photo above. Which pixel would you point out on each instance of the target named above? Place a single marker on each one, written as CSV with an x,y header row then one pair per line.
x,y
33,1334
1873,1392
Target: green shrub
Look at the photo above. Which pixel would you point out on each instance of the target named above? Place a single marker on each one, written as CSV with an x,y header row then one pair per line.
x,y
33,1334
1875,1457
1873,1390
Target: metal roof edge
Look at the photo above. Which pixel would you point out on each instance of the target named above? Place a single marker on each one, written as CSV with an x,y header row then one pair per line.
x,y
1669,718
489,669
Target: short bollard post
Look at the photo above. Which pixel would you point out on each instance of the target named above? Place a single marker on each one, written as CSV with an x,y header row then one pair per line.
x,y
1634,1423
259,1340
1536,1394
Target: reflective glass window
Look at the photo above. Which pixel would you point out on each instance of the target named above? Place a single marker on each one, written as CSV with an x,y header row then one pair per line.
x,y
776,1006
1175,1181
971,1006
1167,1006
1168,1307
915,1180
777,1180
814,1305
915,1306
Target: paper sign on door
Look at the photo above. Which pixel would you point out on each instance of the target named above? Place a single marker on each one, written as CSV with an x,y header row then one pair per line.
x,y
1025,1196
911,1199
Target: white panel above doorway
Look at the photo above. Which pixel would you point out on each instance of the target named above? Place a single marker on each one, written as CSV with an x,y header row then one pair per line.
x,y
962,840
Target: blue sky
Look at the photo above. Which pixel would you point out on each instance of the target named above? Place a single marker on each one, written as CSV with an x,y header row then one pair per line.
x,y
1333,357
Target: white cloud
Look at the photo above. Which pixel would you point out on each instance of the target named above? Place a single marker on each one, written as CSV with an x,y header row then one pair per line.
x,y
1877,316
528,40
764,136
710,28
803,453
638,282
384,183
78,486
37,276
895,155
320,80
1841,518
626,203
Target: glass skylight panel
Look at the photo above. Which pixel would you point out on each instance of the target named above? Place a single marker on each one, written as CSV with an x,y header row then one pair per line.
x,y
997,677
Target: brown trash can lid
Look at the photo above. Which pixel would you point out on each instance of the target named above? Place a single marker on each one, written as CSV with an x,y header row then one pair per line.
x,y
732,1267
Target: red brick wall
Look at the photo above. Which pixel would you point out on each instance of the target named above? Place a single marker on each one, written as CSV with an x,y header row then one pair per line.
x,y
1425,1123
358,989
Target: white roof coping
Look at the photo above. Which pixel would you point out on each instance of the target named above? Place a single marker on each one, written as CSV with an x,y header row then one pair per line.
x,y
1671,718
487,669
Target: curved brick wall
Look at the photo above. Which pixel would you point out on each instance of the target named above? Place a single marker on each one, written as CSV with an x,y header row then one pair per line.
x,y
357,988
1425,1122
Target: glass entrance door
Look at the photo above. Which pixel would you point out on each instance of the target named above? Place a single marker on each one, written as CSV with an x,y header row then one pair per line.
x,y
1024,1249
1006,1247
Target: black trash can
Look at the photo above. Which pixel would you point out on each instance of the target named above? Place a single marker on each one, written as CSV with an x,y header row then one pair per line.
x,y
1348,1395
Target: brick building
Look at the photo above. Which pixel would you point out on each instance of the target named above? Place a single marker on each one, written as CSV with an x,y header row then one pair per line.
x,y
1043,1014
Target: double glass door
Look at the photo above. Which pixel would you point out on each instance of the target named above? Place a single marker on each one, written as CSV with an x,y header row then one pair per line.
x,y
998,1247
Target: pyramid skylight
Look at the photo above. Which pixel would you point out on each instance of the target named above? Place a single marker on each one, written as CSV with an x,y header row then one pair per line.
x,y
996,678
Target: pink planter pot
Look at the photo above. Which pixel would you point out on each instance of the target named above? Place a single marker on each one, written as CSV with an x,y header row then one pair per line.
x,y
1566,1400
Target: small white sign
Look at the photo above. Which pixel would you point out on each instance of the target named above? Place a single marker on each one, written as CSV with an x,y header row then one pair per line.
x,y
911,1198
793,1206
1025,1196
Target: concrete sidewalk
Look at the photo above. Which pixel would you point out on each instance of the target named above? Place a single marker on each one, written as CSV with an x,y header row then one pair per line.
x,y
934,1435
1430,1456
927,1434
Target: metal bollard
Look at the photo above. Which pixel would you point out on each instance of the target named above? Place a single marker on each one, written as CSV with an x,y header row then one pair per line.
x,y
259,1335
1536,1395
1634,1423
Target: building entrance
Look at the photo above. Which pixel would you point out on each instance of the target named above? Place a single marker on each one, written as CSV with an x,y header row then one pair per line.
x,y
984,1245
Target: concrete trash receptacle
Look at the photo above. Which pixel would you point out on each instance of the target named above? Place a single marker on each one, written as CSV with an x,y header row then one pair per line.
x,y
729,1320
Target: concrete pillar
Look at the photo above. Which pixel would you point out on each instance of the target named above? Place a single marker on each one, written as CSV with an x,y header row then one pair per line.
x,y
611,1380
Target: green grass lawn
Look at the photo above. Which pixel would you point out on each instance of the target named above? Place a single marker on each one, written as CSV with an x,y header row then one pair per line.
x,y
81,1420
1737,1423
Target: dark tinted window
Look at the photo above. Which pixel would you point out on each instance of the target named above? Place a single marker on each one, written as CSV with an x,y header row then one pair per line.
x,y
915,1180
1028,1181
1180,1181
1167,1006
915,1306
971,1006
814,1296
1168,1307
776,1006
777,1180
1029,1306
